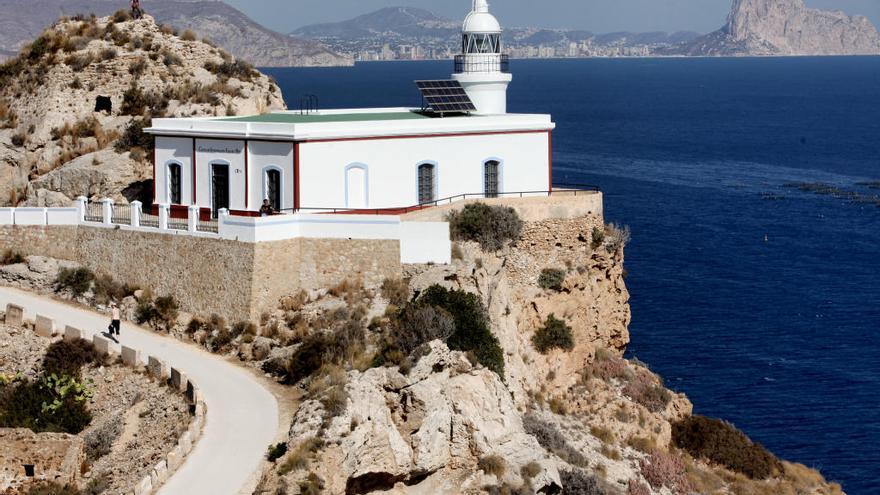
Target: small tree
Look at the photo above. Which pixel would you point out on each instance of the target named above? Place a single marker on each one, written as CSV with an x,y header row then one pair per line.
x,y
555,334
551,278
491,226
78,280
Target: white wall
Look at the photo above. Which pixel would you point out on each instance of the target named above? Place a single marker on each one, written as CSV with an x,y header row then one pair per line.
x,y
30,216
392,164
231,152
264,154
425,242
168,150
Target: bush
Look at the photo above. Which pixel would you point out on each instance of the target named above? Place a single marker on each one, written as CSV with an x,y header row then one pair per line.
x,y
551,278
419,324
607,366
661,469
307,359
134,136
78,280
18,139
107,289
188,35
577,482
616,237
721,443
491,226
551,439
645,390
637,488
238,69
555,334
396,291
494,465
276,451
99,441
12,258
135,102
471,319
53,404
159,315
299,459
69,357
597,237
122,15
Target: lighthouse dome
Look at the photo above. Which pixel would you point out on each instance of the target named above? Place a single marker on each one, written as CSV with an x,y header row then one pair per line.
x,y
480,20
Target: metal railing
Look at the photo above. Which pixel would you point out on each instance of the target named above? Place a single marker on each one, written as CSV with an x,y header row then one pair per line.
x,y
482,62
94,212
559,190
121,215
178,223
148,220
211,226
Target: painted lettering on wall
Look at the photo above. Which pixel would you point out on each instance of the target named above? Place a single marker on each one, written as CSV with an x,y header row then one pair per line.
x,y
205,149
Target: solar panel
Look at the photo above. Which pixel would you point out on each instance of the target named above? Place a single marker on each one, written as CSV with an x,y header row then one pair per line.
x,y
445,96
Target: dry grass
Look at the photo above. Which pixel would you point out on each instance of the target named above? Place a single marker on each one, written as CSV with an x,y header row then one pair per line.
x,y
299,458
602,433
396,291
493,465
294,302
664,469
188,35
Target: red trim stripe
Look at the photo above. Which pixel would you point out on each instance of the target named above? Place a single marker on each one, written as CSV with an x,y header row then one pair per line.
x,y
420,136
194,174
246,190
550,159
296,175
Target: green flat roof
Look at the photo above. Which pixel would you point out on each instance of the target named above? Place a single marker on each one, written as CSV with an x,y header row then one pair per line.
x,y
295,118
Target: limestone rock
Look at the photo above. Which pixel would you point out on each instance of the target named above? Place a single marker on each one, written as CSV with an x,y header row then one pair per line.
x,y
102,174
787,27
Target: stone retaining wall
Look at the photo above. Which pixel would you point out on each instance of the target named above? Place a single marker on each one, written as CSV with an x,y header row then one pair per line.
x,y
157,368
236,280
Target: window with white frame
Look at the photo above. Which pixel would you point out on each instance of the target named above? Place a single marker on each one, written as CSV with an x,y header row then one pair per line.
x,y
175,187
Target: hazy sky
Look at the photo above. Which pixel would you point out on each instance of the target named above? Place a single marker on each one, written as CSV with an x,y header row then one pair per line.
x,y
599,16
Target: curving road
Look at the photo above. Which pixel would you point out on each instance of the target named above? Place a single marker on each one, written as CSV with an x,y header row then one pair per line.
x,y
242,414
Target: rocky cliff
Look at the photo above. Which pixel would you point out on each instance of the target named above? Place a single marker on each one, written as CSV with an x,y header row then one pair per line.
x,y
786,27
22,20
56,139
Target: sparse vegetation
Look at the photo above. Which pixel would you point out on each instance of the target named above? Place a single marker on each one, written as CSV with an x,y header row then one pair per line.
x,y
597,238
551,439
11,257
228,69
551,278
663,469
396,291
77,280
99,441
721,443
645,390
68,357
188,35
490,226
134,137
494,465
52,403
555,334
577,482
276,451
616,237
160,314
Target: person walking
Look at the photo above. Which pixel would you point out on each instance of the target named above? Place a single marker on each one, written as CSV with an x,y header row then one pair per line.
x,y
115,323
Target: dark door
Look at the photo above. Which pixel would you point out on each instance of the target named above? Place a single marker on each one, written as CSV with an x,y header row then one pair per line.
x,y
219,188
273,189
426,183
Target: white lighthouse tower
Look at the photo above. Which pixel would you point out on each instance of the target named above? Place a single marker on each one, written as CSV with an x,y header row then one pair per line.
x,y
481,68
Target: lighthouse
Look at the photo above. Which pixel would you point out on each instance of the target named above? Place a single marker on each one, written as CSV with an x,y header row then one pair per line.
x,y
481,68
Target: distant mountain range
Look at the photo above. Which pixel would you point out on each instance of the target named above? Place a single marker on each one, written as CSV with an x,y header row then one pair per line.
x,y
754,27
22,20
431,34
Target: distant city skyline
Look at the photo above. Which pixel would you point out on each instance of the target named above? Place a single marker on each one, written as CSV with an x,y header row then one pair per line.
x,y
599,16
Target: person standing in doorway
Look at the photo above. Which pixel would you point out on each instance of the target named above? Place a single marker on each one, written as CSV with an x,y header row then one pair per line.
x,y
115,322
267,209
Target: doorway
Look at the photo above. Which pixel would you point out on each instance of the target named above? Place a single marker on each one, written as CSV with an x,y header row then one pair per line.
x,y
219,188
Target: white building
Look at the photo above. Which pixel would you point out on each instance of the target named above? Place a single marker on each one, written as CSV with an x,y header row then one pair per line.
x,y
377,158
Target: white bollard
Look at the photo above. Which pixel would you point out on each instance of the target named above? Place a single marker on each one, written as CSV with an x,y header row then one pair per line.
x,y
163,216
107,211
137,209
193,218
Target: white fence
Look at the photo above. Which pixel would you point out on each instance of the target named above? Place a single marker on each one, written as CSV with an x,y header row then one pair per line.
x,y
420,242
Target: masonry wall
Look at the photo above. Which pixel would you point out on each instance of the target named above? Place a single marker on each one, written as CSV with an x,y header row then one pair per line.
x,y
236,280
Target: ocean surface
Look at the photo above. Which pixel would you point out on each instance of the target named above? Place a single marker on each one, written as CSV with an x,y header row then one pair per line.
x,y
759,300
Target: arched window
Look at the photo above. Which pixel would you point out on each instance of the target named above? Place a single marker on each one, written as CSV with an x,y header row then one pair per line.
x,y
492,178
272,187
175,187
356,186
427,176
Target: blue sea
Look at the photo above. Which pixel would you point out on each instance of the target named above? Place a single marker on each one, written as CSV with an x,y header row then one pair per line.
x,y
759,300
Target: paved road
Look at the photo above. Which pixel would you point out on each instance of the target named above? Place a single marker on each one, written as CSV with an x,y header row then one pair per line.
x,y
242,415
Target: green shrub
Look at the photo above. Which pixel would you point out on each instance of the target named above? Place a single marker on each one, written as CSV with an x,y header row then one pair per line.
x,y
555,334
307,359
238,69
551,278
68,357
53,404
122,15
11,257
721,443
491,226
78,280
276,451
107,289
137,103
472,332
418,324
134,136
160,314
598,237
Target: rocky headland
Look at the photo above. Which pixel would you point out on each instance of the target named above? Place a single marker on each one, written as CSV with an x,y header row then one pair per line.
x,y
785,27
74,101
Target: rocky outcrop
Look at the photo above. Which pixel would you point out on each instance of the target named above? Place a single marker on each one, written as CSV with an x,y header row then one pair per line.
x,y
786,27
56,143
22,20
